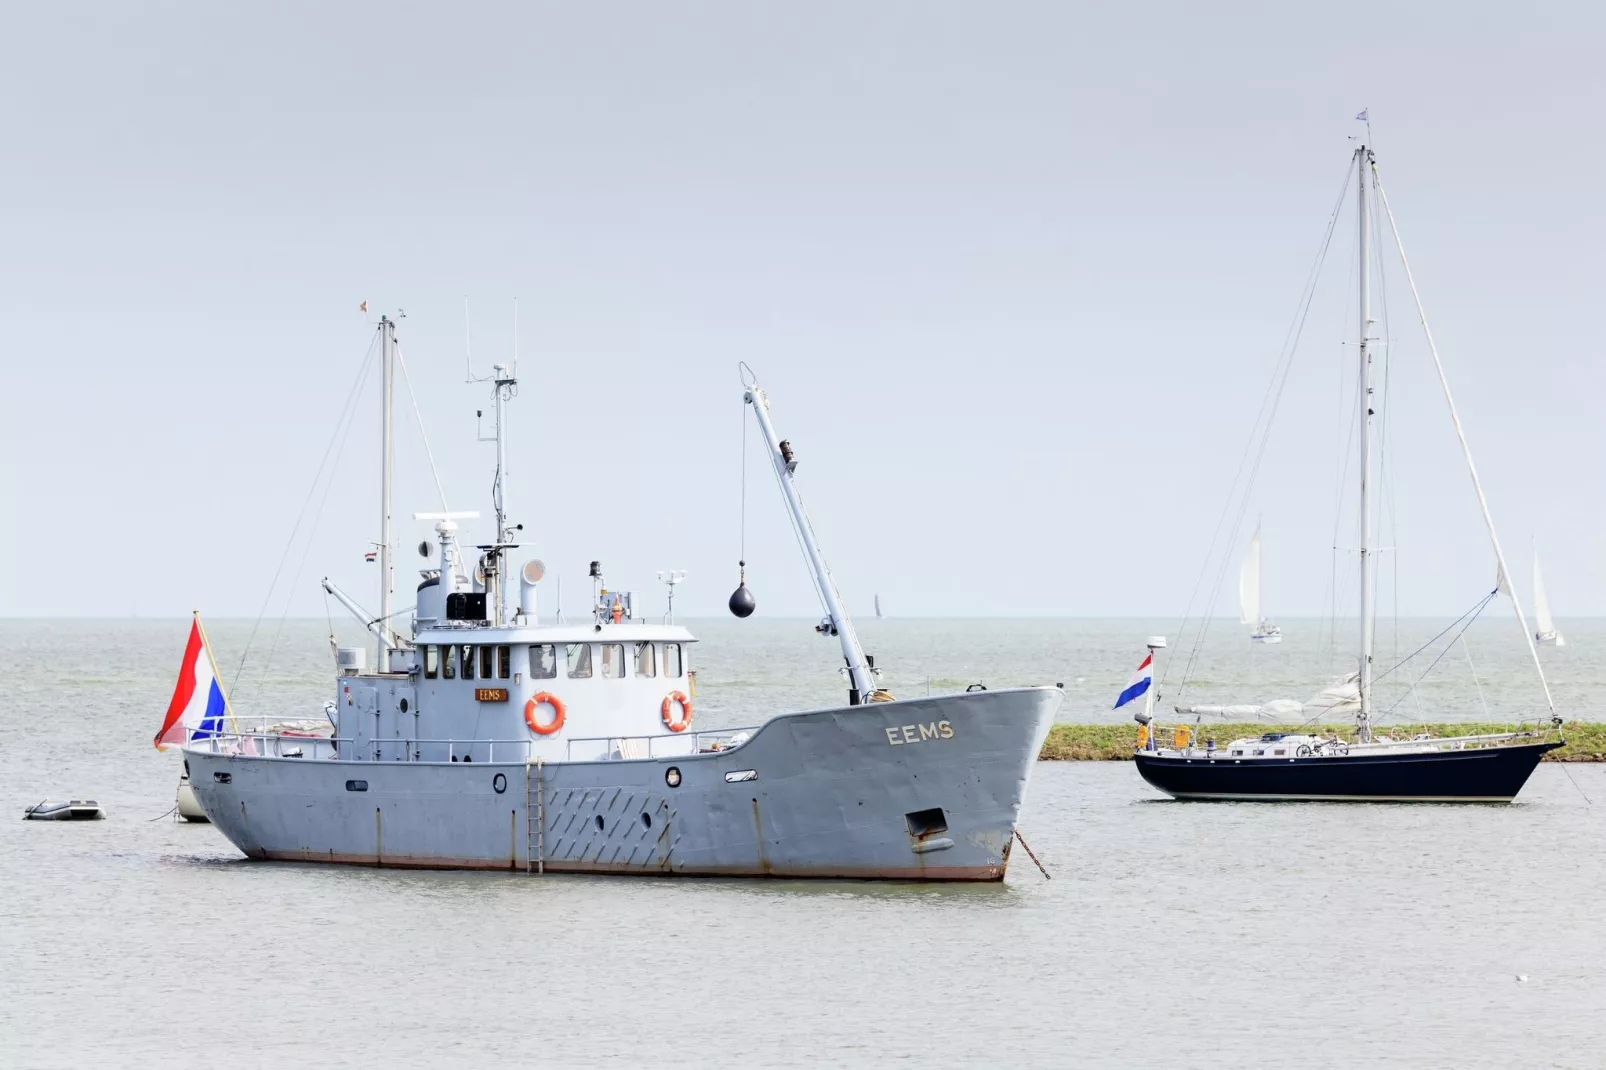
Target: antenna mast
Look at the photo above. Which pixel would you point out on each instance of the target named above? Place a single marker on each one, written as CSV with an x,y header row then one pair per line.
x,y
1363,719
504,380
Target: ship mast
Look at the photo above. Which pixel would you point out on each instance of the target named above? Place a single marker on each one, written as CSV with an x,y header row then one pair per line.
x,y
387,433
1363,719
861,677
506,382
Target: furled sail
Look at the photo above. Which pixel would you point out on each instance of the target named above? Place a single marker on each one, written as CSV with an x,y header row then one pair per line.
x,y
1544,626
1339,699
1249,583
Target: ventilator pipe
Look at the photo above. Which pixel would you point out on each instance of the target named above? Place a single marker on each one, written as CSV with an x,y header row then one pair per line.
x,y
527,596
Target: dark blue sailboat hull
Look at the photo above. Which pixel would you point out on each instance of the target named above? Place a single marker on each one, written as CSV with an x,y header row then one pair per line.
x,y
1486,774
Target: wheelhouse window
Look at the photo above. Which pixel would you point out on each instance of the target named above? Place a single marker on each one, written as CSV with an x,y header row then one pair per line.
x,y
432,662
543,662
504,662
613,661
672,666
578,656
468,662
449,662
487,662
646,664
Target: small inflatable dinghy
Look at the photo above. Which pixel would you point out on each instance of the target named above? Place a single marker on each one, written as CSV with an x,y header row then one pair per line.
x,y
71,810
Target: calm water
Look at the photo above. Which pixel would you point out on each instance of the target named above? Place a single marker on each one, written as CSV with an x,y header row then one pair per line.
x,y
1173,934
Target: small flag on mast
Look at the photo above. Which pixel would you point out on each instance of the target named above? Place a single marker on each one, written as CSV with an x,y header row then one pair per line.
x,y
1140,681
371,556
363,307
1362,115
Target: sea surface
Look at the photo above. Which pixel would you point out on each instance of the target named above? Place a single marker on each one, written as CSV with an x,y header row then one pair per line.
x,y
1171,935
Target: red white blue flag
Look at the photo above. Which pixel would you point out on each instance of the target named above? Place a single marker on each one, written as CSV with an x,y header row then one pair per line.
x,y
197,708
1139,683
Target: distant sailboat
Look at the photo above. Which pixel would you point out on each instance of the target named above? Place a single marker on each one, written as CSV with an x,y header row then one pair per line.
x,y
1544,627
1264,631
878,613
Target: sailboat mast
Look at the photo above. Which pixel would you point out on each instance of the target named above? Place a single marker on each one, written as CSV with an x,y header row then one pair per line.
x,y
387,434
1363,158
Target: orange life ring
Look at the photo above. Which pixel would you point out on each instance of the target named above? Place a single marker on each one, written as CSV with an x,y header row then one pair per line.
x,y
685,708
534,704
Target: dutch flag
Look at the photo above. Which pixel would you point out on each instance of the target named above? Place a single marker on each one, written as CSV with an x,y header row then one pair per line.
x,y
1140,681
198,706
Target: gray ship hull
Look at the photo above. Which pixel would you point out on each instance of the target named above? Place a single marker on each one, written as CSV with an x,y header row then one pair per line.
x,y
923,789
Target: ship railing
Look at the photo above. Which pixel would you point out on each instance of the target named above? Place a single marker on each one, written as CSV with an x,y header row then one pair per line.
x,y
269,744
660,745
1438,742
264,724
405,749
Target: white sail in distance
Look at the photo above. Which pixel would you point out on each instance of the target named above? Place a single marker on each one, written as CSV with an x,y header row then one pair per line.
x,y
1544,627
1249,583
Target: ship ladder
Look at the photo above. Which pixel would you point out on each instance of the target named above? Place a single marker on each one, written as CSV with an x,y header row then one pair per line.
x,y
535,816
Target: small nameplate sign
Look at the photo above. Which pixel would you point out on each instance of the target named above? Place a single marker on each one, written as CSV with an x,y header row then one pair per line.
x,y
490,694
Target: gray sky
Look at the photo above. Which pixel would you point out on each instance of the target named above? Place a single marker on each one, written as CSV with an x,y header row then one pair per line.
x,y
1015,275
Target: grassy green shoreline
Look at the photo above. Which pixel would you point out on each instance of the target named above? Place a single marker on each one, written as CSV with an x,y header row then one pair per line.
x,y
1586,741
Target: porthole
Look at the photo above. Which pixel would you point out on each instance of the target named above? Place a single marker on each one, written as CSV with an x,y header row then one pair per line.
x,y
601,824
356,785
499,783
646,820
672,776
404,705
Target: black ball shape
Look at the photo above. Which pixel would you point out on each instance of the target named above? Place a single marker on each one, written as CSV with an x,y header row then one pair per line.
x,y
742,603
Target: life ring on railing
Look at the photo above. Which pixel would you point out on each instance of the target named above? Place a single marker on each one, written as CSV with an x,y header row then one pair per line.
x,y
558,713
685,709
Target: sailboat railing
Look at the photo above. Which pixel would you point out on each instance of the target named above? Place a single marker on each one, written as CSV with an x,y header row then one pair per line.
x,y
1439,742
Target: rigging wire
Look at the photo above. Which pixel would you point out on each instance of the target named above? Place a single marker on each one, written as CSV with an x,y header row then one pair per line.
x,y
1386,476
1477,608
361,377
1474,616
419,416
743,558
1474,671
334,646
1466,450
1344,433
312,532
1261,430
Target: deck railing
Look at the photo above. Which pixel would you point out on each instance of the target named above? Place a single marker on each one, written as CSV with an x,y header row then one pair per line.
x,y
591,748
635,748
